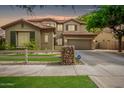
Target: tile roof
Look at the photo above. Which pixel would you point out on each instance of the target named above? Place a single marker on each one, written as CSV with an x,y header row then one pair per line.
x,y
25,21
71,33
53,19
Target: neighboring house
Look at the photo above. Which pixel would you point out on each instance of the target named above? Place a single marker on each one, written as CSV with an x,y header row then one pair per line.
x,y
106,40
49,33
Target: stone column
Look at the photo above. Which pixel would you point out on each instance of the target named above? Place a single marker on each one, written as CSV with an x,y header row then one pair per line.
x,y
68,57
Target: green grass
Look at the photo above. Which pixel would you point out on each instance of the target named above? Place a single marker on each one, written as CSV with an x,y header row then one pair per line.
x,y
32,57
35,55
47,82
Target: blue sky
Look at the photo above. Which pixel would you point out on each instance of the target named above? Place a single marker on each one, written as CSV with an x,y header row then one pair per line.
x,y
10,13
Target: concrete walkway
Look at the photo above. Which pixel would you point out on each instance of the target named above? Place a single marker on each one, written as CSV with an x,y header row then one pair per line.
x,y
102,75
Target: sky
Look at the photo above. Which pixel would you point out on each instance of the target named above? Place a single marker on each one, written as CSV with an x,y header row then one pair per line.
x,y
11,13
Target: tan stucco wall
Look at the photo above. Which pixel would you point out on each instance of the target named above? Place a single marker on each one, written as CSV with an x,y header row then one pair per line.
x,y
50,44
106,40
105,35
27,28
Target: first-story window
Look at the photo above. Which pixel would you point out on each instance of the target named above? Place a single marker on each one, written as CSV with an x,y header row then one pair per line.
x,y
46,38
59,41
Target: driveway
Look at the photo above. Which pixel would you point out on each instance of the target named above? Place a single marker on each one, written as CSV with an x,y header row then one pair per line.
x,y
95,57
109,63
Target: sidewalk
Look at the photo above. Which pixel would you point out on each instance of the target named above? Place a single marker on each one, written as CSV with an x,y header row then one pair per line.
x,y
114,79
103,75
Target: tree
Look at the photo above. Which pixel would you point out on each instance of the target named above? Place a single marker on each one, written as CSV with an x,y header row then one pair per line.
x,y
107,16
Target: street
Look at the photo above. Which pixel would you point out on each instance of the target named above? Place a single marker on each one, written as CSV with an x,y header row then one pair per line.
x,y
93,57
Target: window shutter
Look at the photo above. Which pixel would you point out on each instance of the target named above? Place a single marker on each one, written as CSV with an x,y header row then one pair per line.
x,y
13,38
67,27
75,27
32,36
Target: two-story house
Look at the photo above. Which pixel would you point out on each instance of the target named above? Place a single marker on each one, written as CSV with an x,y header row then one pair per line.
x,y
48,33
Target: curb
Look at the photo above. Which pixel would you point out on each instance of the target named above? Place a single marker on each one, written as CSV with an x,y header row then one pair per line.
x,y
97,82
94,79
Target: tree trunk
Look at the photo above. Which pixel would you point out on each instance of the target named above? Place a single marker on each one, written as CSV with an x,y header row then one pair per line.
x,y
120,43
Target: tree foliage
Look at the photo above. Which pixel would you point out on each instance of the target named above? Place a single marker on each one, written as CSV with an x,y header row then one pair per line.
x,y
106,16
111,16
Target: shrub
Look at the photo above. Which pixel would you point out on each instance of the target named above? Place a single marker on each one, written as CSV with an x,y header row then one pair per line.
x,y
31,45
2,44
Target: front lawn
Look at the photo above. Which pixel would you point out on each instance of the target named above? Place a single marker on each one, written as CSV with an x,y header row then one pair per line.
x,y
47,82
35,57
7,58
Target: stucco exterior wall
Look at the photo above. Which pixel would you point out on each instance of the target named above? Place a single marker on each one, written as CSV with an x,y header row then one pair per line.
x,y
26,28
106,40
39,35
106,35
50,44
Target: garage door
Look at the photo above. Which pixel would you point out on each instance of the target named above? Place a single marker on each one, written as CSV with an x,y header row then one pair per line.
x,y
80,44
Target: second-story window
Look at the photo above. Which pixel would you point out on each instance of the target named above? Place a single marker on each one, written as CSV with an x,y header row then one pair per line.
x,y
51,24
71,27
60,27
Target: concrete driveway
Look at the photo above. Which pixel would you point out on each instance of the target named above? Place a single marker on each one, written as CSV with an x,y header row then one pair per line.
x,y
95,57
109,63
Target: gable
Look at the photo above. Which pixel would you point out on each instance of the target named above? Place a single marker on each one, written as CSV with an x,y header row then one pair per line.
x,y
104,36
21,27
72,22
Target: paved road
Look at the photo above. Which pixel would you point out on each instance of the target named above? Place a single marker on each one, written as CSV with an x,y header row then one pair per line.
x,y
94,57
